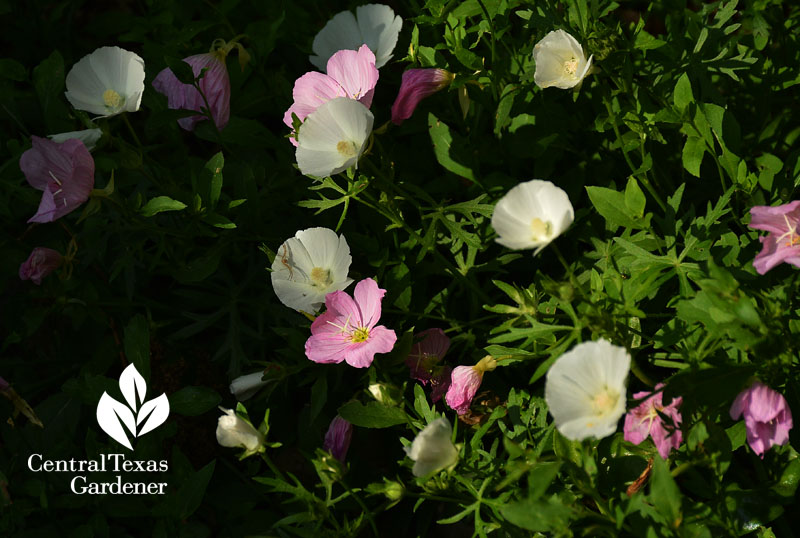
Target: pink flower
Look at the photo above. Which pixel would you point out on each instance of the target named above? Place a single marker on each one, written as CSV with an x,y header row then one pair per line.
x,y
337,439
423,361
645,419
766,415
464,383
783,242
417,84
215,84
65,172
347,330
351,74
39,264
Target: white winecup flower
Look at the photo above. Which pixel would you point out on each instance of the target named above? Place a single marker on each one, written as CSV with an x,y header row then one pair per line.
x,y
89,137
560,61
585,389
332,138
235,432
106,82
531,215
432,450
375,25
309,266
245,386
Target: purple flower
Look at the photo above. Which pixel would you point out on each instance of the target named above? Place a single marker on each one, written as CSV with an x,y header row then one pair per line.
x,y
645,419
464,383
423,361
65,172
215,84
417,84
347,330
337,439
766,416
39,264
783,242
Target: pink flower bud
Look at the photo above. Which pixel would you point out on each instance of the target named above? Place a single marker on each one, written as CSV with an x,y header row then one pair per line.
x,y
39,264
464,383
337,439
215,85
645,420
417,84
65,172
766,415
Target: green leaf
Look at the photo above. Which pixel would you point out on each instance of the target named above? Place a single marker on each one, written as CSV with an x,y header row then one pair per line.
x,y
372,415
182,71
692,155
634,198
211,180
443,140
193,401
612,206
12,70
160,204
538,515
48,81
218,221
136,342
664,494
682,95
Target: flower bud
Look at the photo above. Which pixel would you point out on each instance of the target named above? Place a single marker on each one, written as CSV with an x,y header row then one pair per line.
x,y
245,386
465,382
417,84
233,431
41,262
337,439
432,449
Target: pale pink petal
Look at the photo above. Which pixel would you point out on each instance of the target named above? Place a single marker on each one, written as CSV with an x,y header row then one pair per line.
x,y
310,91
326,348
346,309
773,218
361,354
368,296
464,383
355,72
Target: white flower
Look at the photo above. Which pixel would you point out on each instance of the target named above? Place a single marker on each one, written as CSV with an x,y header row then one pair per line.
x,y
107,82
585,389
560,61
309,266
89,137
233,431
531,215
374,25
432,449
332,138
244,386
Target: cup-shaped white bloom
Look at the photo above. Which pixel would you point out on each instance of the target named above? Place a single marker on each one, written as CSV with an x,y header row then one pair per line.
x,y
309,266
375,25
432,450
233,431
332,138
585,389
531,215
89,137
560,61
107,82
245,386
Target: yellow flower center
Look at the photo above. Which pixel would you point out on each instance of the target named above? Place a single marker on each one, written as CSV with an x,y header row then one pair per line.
x,y
112,99
540,229
571,66
359,335
320,277
604,402
347,148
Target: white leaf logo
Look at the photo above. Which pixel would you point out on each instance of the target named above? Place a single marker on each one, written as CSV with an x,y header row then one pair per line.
x,y
146,416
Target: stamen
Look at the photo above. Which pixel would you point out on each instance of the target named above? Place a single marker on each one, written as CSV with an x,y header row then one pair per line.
x,y
54,177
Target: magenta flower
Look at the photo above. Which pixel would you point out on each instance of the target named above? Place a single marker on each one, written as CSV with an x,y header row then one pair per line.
x,y
39,264
766,415
645,419
417,84
351,74
464,383
423,361
783,242
215,84
337,439
347,330
65,172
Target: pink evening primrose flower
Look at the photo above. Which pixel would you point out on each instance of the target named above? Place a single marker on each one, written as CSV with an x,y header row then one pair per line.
x,y
783,242
215,84
351,74
347,330
417,84
645,419
464,383
65,172
39,264
766,415
423,361
337,439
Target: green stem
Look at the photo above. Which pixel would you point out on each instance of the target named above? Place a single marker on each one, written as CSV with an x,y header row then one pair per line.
x,y
367,511
130,128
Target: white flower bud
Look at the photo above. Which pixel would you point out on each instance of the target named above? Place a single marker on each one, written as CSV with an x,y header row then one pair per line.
x,y
432,449
233,431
